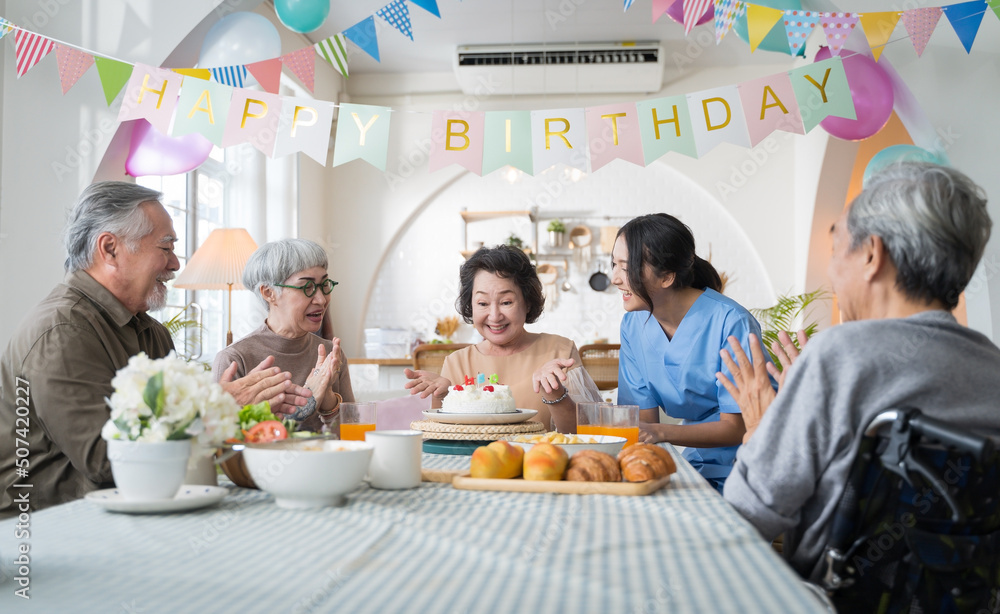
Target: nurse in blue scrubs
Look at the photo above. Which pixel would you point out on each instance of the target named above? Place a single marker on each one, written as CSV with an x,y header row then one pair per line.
x,y
676,322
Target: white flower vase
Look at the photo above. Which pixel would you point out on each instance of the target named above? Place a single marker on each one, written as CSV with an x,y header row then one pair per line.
x,y
201,467
149,470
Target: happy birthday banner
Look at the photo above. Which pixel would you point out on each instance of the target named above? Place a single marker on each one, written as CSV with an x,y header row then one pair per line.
x,y
758,22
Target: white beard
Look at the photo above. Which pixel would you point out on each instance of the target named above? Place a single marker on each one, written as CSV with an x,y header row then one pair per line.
x,y
157,299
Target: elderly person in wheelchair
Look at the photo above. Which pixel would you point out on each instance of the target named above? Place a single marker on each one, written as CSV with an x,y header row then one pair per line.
x,y
903,252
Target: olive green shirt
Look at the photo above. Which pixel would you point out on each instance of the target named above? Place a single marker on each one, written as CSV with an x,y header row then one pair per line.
x,y
54,376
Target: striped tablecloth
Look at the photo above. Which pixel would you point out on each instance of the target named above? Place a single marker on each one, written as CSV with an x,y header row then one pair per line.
x,y
432,549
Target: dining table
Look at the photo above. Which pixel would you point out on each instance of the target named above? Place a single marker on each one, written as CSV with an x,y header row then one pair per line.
x,y
434,548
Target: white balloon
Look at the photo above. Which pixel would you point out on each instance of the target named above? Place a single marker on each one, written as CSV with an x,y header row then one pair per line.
x,y
240,38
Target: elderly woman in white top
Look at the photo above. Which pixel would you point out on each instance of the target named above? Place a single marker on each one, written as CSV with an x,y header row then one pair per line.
x,y
290,278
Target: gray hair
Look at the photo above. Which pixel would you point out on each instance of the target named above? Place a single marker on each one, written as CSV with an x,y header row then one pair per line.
x,y
932,220
276,261
106,206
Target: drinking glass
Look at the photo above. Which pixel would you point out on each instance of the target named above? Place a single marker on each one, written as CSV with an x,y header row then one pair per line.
x,y
620,421
588,418
356,419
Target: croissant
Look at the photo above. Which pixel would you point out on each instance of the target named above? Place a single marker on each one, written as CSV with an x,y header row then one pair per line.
x,y
593,466
641,462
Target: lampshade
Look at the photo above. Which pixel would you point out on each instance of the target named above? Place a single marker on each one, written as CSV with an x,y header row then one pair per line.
x,y
218,264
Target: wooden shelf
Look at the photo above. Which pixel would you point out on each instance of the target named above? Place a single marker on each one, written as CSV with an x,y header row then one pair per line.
x,y
384,362
479,216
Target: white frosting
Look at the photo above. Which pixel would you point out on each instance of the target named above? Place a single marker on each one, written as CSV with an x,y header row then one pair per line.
x,y
472,400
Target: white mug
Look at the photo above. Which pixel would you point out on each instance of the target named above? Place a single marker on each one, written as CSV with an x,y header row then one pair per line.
x,y
395,460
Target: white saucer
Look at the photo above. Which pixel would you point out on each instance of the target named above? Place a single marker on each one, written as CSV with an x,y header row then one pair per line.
x,y
189,497
520,415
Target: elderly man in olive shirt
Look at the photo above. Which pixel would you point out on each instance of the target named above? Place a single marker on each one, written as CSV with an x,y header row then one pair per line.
x,y
58,366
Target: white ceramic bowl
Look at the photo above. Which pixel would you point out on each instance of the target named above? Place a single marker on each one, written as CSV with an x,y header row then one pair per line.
x,y
605,443
307,474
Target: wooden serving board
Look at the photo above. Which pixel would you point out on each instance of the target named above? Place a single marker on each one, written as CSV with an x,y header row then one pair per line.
x,y
462,481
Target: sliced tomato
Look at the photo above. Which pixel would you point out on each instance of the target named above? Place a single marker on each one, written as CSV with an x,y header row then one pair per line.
x,y
268,430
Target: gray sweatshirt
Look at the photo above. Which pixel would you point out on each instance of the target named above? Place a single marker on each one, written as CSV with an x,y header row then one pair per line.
x,y
789,477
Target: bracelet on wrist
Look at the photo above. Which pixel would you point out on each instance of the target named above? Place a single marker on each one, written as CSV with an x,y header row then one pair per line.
x,y
337,400
554,401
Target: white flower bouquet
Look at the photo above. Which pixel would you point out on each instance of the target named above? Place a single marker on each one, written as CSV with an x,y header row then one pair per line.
x,y
169,399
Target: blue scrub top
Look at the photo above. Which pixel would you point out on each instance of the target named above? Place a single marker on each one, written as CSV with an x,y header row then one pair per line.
x,y
678,375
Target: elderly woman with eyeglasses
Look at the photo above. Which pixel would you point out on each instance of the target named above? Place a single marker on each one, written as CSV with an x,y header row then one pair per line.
x,y
289,277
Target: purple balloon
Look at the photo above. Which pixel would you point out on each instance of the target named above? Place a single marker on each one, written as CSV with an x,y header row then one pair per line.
x,y
871,90
153,153
676,12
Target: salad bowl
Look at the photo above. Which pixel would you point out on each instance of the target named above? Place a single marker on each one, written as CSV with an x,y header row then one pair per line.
x,y
304,473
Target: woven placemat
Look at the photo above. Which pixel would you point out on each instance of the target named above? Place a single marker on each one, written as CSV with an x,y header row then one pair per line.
x,y
475,432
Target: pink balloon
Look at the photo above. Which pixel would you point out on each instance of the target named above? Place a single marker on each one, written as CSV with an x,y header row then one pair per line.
x,y
676,12
871,90
153,153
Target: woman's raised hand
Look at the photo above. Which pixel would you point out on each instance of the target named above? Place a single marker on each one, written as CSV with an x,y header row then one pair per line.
x,y
327,367
426,383
550,377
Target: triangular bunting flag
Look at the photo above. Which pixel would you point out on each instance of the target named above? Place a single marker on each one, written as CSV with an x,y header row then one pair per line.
x,y
198,73
362,34
232,76
760,20
798,26
267,73
72,64
726,12
628,4
920,24
660,7
693,10
4,27
965,18
431,6
398,16
30,48
114,76
878,28
303,64
837,27
334,51
993,4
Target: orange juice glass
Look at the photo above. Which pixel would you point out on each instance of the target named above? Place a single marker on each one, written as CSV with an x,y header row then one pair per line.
x,y
588,418
621,421
356,419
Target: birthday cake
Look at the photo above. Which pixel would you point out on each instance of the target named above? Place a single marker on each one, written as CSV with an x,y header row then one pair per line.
x,y
472,399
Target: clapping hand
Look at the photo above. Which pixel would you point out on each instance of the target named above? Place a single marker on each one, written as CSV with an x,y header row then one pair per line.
x,y
265,383
426,383
787,354
750,386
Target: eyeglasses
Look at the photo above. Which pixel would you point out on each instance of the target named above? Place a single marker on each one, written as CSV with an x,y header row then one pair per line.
x,y
309,288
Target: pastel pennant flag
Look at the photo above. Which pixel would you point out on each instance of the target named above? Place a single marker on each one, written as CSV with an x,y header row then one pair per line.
x,y
693,10
233,76
878,28
253,118
334,51
30,48
4,27
920,24
362,134
821,90
995,5
660,7
558,136
507,141
628,4
362,34
457,138
114,75
202,108
267,73
769,104
304,125
665,125
798,26
760,20
726,12
431,6
151,94
302,63
717,117
72,64
965,18
613,132
197,73
837,27
397,14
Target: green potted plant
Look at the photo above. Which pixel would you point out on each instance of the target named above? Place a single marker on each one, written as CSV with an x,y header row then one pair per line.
x,y
557,232
782,316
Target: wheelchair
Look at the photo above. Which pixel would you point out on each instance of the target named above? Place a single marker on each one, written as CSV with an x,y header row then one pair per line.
x,y
917,529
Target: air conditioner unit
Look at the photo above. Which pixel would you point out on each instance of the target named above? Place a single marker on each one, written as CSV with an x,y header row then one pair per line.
x,y
560,68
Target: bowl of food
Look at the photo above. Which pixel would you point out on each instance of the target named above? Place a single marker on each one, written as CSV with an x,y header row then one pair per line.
x,y
308,473
572,443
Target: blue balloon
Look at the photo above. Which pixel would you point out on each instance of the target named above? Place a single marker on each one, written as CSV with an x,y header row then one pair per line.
x,y
776,40
239,38
898,153
302,15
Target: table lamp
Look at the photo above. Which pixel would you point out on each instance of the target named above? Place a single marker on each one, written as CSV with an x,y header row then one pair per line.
x,y
218,265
